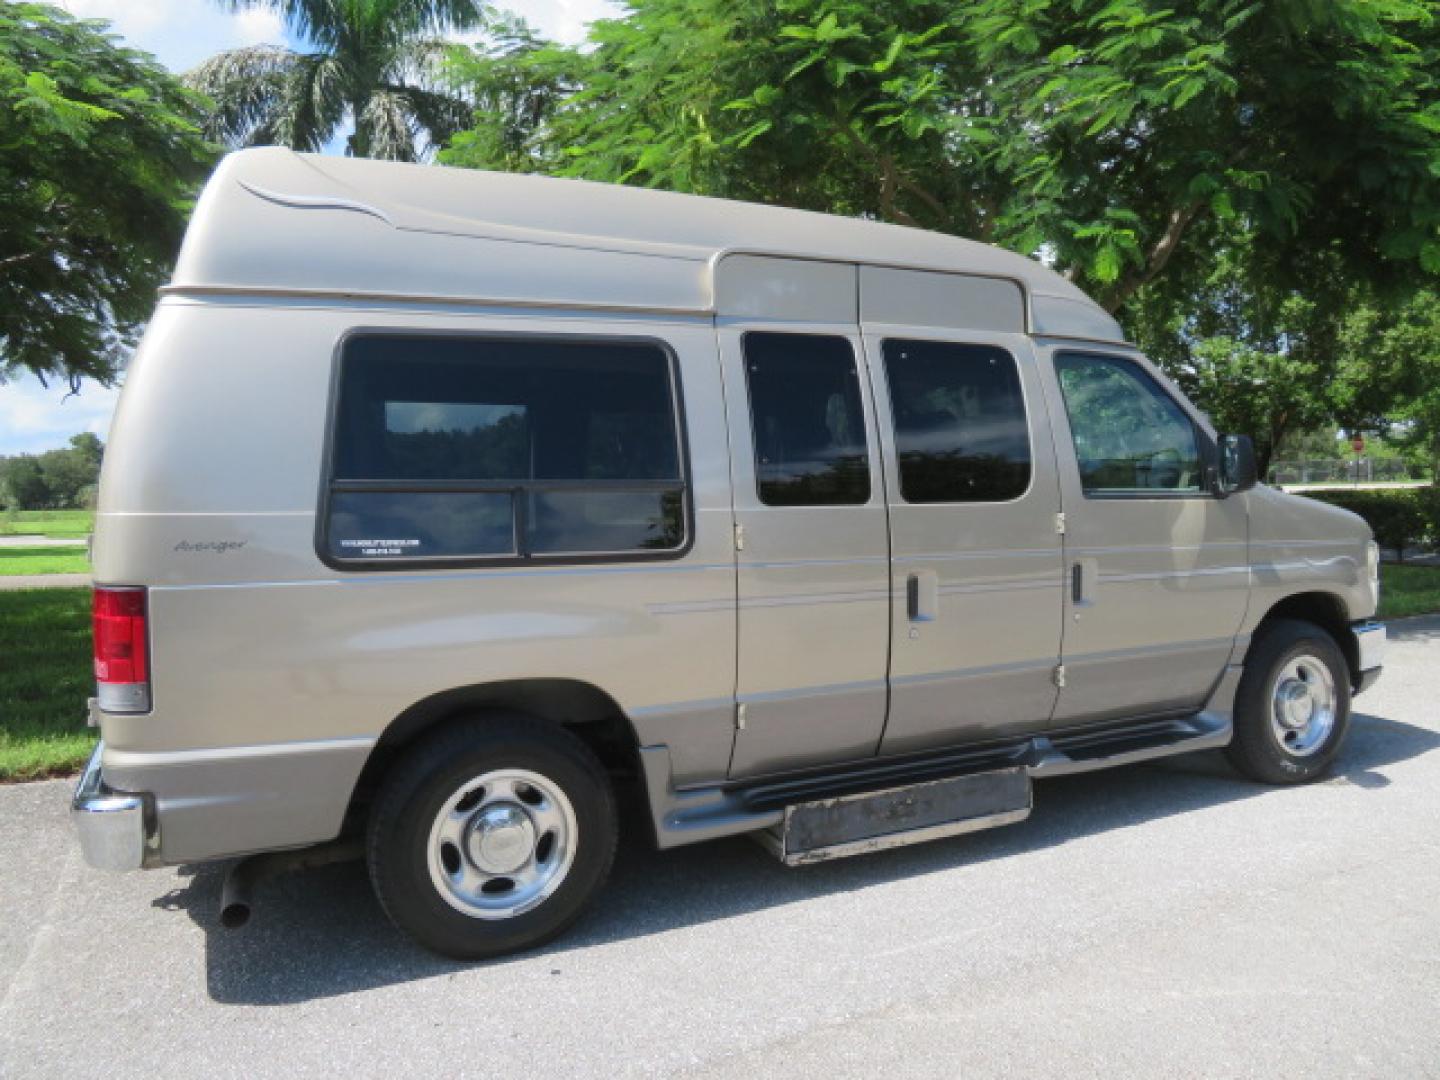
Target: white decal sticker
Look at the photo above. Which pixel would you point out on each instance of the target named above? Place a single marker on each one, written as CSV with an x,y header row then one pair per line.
x,y
380,547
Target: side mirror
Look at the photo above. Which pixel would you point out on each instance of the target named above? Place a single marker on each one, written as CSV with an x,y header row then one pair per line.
x,y
1237,465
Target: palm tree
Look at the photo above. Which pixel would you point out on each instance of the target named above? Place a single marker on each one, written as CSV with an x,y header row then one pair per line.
x,y
374,62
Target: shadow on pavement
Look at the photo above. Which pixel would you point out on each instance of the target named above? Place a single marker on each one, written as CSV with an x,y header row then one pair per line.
x,y
320,933
1417,628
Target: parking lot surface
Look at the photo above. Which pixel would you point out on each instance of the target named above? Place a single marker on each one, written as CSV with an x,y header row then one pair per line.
x,y
1168,919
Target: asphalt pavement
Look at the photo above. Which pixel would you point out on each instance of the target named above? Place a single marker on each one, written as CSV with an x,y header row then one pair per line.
x,y
44,581
1158,920
29,541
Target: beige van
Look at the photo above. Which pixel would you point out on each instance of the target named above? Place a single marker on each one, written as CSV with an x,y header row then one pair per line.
x,y
442,506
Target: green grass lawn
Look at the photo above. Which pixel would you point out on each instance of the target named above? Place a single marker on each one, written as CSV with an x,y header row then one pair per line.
x,y
76,524
44,681
43,560
1408,590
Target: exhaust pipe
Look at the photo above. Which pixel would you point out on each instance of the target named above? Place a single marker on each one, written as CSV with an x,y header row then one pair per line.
x,y
237,892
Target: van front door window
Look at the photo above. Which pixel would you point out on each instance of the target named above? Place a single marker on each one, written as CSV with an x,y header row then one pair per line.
x,y
1130,436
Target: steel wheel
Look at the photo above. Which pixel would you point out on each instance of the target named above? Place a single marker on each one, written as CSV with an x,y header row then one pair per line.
x,y
1303,705
502,843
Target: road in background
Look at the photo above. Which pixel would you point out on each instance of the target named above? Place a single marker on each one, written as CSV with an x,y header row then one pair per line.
x,y
1166,919
44,581
28,540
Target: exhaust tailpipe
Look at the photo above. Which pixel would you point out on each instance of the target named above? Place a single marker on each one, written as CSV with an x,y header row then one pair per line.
x,y
236,895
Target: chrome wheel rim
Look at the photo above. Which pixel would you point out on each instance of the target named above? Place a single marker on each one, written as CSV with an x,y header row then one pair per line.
x,y
1302,705
502,843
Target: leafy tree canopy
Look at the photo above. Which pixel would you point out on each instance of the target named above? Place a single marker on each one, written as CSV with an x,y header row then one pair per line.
x,y
1401,344
515,82
57,479
373,62
1116,136
1276,359
99,155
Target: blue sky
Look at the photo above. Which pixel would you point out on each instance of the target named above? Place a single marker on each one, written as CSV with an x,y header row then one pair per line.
x,y
181,33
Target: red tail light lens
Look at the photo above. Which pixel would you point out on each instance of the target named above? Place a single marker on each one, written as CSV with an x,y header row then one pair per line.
x,y
122,663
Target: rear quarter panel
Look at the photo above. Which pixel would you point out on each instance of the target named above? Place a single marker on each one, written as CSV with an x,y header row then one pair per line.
x,y
209,496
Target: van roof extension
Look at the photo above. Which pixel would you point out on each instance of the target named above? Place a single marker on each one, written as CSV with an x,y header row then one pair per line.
x,y
276,223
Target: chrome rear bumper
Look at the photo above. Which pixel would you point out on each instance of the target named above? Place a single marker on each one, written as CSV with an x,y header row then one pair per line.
x,y
111,824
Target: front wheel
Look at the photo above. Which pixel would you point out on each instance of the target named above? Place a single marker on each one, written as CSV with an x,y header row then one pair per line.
x,y
1292,708
490,836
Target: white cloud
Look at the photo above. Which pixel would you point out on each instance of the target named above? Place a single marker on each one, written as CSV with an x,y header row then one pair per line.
x,y
559,20
34,418
181,33
563,20
258,26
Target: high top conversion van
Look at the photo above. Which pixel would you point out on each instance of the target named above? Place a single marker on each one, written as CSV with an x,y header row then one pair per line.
x,y
441,505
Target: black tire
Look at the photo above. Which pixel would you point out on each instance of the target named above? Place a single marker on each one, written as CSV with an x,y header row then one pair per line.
x,y
1258,750
421,783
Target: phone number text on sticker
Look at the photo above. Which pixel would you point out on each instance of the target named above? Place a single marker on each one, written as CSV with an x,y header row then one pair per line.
x,y
381,547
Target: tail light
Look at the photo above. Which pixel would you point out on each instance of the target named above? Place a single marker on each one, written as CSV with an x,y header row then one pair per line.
x,y
122,661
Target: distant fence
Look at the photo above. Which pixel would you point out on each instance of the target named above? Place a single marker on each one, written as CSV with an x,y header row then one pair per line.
x,y
1348,471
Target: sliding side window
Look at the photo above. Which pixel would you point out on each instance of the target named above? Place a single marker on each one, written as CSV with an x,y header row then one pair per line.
x,y
960,427
461,449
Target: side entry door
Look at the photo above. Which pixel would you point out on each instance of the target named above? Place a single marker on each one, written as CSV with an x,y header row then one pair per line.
x,y
813,580
974,502
1157,568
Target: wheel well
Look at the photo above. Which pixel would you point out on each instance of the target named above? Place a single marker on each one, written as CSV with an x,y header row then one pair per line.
x,y
1325,610
581,708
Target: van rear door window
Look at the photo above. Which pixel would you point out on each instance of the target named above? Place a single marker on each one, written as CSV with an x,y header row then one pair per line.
x,y
471,448
808,427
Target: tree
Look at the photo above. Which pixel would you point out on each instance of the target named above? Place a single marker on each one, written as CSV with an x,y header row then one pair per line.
x,y
1324,443
373,62
64,477
1403,343
99,157
88,449
1276,360
707,96
71,471
1118,137
515,81
1143,131
23,483
1260,356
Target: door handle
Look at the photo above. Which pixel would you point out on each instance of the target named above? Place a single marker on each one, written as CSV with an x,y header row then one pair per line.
x,y
1084,581
922,595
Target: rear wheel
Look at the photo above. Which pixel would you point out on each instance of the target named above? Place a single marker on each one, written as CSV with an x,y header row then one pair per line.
x,y
1293,705
490,836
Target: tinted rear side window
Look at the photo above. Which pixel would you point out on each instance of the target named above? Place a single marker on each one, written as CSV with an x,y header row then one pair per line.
x,y
960,427
808,426
465,448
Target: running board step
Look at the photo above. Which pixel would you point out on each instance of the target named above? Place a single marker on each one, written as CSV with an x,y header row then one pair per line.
x,y
872,821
